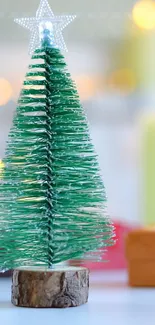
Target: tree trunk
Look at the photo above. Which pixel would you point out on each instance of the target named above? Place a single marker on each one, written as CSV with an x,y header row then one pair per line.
x,y
45,288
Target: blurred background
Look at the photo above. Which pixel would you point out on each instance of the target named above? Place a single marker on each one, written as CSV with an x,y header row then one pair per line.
x,y
111,56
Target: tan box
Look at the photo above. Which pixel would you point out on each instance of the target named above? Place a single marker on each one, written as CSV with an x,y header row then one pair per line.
x,y
140,253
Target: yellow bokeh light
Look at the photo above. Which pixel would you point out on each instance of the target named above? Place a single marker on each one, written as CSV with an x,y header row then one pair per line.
x,y
2,165
144,14
5,91
122,80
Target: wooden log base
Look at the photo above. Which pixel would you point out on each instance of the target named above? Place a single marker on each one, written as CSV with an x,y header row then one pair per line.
x,y
46,288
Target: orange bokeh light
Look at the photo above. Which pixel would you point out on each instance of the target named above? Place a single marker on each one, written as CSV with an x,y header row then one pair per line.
x,y
5,91
86,86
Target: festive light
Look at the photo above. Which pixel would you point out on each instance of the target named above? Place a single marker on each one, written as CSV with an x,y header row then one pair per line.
x,y
144,14
123,80
86,86
5,91
2,165
45,20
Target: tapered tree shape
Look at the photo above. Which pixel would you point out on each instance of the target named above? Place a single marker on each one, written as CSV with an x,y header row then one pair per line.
x,y
52,199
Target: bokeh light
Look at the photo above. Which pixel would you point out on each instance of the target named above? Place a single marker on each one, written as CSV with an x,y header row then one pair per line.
x,y
86,86
144,14
2,165
122,80
5,91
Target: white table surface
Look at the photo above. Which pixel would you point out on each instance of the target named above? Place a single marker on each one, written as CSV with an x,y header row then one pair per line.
x,y
111,302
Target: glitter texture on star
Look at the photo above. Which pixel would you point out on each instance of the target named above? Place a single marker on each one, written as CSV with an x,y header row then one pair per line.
x,y
46,18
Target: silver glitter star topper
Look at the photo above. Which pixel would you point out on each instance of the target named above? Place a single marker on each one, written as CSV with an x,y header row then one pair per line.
x,y
45,19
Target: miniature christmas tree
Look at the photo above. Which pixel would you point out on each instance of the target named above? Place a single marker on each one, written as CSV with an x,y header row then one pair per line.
x,y
52,195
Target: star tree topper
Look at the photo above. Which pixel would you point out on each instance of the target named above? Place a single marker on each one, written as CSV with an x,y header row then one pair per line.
x,y
45,19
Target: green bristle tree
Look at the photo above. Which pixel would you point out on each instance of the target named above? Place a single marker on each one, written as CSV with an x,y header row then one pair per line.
x,y
52,198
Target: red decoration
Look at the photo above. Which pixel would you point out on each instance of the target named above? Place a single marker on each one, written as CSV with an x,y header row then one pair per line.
x,y
115,255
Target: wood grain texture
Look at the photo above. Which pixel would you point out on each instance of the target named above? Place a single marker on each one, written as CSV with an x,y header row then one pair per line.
x,y
58,288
